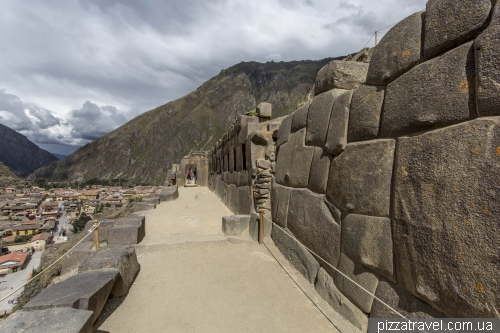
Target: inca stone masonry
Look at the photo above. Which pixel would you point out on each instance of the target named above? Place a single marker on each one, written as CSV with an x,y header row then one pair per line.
x,y
391,174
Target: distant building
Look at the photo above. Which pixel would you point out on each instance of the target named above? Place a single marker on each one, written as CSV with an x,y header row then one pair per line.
x,y
12,262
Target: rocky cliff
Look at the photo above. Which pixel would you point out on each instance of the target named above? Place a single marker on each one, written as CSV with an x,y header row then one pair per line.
x,y
143,149
20,154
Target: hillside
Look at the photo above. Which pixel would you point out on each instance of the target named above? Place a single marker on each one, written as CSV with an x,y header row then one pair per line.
x,y
20,154
7,177
143,149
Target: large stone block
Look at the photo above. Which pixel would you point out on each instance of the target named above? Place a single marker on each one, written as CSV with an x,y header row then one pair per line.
x,y
235,224
318,117
295,253
155,200
368,240
284,130
232,198
402,301
340,74
360,178
364,118
311,222
142,206
320,168
124,235
448,24
265,110
169,193
336,139
67,320
436,93
107,226
280,196
299,120
238,159
123,258
85,291
284,163
397,52
446,217
301,160
253,226
487,49
244,203
362,276
328,291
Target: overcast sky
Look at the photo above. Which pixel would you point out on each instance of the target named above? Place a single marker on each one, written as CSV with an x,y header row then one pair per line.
x,y
71,71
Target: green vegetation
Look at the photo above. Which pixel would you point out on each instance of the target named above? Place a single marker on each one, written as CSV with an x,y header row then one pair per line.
x,y
79,224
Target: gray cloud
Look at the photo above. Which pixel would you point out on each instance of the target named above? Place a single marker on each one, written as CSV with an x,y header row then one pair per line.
x,y
136,55
91,121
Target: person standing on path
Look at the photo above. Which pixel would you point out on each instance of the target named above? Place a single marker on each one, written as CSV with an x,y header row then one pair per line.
x,y
188,174
195,174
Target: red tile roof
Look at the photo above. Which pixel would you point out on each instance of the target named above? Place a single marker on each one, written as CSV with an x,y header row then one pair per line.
x,y
14,256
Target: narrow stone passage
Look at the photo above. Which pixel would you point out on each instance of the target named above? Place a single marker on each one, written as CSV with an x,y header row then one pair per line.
x,y
193,280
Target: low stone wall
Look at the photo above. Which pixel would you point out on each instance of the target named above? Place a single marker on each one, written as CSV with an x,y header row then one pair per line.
x,y
75,304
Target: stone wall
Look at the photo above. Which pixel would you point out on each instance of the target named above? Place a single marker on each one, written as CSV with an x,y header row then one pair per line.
x,y
391,175
241,165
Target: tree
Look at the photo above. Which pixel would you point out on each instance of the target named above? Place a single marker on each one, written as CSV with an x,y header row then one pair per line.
x,y
79,224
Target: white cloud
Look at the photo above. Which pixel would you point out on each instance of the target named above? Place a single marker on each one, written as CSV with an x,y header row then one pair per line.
x,y
138,55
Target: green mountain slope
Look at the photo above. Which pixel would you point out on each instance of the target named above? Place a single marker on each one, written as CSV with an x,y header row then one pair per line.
x,y
144,149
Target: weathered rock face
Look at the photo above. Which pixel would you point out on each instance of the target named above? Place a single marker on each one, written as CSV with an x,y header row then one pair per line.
x,y
360,178
85,291
487,48
336,139
284,130
330,293
341,75
436,93
235,224
446,216
364,117
75,321
448,24
402,301
298,255
299,120
301,160
320,168
397,52
312,224
362,276
318,117
280,196
122,258
368,240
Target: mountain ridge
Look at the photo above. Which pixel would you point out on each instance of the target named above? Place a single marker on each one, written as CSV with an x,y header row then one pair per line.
x,y
21,155
143,149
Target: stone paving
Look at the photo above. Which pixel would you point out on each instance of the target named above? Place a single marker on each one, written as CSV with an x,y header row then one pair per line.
x,y
193,280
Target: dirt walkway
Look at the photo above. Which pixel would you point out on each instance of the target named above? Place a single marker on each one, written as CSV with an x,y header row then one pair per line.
x,y
193,280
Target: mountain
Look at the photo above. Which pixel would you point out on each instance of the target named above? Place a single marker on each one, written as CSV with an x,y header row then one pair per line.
x,y
59,156
20,154
7,177
143,149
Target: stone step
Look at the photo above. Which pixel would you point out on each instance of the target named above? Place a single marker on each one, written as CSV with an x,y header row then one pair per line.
x,y
190,185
